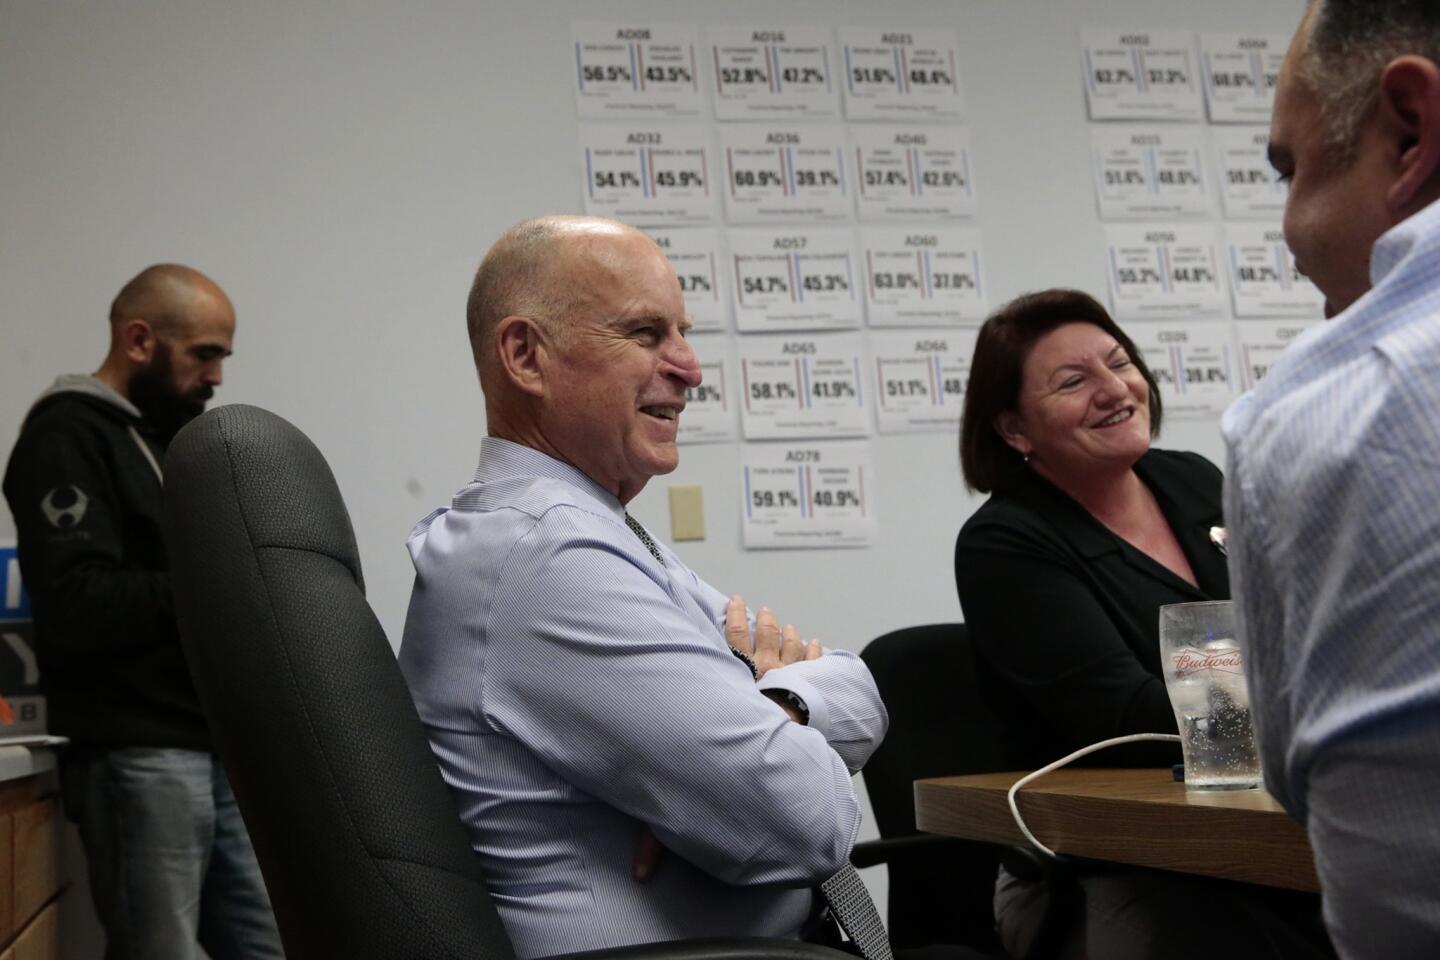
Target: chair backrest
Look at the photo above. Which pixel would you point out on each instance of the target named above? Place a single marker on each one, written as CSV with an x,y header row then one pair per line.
x,y
939,726
357,835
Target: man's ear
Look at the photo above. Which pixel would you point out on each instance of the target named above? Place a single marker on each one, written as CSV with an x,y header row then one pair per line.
x,y
1409,106
1007,425
137,340
519,347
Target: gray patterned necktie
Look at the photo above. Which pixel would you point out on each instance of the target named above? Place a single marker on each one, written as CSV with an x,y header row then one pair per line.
x,y
645,538
845,894
853,909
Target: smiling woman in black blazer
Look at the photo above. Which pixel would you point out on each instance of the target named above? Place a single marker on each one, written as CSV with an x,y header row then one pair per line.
x,y
1088,531
1061,574
1064,612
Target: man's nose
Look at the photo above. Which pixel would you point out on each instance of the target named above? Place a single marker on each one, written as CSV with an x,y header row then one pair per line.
x,y
212,374
683,364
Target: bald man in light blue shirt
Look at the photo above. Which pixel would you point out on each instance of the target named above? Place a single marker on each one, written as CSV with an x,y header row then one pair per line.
x,y
582,688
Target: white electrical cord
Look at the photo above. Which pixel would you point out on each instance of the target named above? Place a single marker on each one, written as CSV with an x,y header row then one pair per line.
x,y
1052,767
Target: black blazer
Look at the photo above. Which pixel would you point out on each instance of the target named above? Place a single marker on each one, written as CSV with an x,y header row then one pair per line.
x,y
1064,614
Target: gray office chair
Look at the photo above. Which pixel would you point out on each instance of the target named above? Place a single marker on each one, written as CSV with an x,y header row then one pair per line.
x,y
940,889
357,835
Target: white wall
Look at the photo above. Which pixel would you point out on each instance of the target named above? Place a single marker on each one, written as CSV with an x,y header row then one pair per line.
x,y
339,168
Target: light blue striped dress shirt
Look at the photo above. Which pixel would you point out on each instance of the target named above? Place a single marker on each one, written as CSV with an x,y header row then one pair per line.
x,y
575,690
1333,504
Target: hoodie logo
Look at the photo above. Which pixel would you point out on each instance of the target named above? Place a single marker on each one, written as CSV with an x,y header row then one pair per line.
x,y
65,517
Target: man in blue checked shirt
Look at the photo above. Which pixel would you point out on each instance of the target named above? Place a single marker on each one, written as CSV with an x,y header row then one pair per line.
x,y
1333,489
589,698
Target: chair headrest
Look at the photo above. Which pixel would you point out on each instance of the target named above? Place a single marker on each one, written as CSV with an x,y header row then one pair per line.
x,y
284,492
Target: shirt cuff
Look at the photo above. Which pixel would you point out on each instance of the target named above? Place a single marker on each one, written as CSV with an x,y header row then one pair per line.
x,y
788,678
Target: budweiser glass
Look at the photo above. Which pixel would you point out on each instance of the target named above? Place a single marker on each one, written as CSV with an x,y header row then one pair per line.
x,y
1205,676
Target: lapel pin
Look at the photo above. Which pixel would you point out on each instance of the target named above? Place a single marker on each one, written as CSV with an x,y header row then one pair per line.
x,y
1217,537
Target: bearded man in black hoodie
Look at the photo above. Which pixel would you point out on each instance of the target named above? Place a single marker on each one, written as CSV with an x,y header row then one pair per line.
x,y
170,862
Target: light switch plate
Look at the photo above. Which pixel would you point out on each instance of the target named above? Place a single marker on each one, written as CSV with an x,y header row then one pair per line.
x,y
687,512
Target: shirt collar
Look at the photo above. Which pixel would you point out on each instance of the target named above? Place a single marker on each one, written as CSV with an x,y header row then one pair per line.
x,y
1402,252
504,459
1396,244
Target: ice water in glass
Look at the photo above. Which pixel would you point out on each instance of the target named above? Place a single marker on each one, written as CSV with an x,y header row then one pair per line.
x,y
1205,676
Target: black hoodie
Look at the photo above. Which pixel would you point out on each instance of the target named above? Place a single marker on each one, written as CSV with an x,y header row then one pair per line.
x,y
84,487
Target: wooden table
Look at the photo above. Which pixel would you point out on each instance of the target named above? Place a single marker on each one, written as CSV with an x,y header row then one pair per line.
x,y
30,883
1140,817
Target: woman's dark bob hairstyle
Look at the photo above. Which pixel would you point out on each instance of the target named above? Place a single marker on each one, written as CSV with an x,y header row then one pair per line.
x,y
997,369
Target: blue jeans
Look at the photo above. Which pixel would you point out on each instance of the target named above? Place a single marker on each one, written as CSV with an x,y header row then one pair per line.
x,y
170,862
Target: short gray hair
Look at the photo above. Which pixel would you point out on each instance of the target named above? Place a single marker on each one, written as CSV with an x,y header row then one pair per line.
x,y
519,277
1349,45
